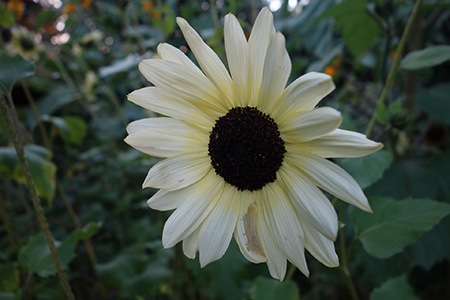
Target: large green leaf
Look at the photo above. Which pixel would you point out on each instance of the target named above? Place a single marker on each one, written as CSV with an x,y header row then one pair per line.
x,y
425,58
435,102
42,169
13,69
394,289
270,289
35,254
354,22
395,224
369,169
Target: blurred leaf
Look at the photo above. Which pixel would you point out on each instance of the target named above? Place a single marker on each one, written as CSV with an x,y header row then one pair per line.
x,y
435,102
271,289
369,169
87,231
394,289
13,69
72,129
42,169
349,15
6,17
35,255
10,296
9,279
425,58
395,224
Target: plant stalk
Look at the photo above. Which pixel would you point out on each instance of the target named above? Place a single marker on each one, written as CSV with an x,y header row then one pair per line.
x,y
393,71
10,117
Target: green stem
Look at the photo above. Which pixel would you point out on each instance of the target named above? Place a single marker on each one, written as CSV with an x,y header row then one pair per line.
x,y
10,117
344,259
7,223
392,72
62,193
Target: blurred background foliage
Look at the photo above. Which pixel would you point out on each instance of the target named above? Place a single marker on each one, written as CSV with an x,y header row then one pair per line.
x,y
68,66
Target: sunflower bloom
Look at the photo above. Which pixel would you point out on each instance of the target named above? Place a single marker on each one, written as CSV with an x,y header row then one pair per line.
x,y
245,155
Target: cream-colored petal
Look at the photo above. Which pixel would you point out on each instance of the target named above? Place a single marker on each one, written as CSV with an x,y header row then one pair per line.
x,y
190,244
167,200
236,48
208,61
284,225
247,234
156,100
312,204
309,125
165,137
199,200
303,94
332,178
178,80
173,54
217,230
262,32
277,68
343,143
177,172
276,260
319,246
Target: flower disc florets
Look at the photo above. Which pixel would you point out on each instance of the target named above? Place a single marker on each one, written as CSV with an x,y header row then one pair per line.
x,y
246,148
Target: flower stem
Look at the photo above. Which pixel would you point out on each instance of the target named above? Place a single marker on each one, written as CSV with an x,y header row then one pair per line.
x,y
10,117
392,72
344,266
344,258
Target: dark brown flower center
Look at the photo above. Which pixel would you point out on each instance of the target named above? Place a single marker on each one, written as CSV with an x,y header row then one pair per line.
x,y
246,148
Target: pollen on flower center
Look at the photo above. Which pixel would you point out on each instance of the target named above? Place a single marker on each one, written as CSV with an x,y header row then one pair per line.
x,y
246,148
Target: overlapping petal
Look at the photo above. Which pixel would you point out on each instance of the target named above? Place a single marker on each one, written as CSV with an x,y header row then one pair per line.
x,y
315,208
200,199
310,125
176,79
331,178
156,100
216,236
209,62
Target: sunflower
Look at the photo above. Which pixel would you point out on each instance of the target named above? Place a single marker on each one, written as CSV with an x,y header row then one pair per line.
x,y
25,43
245,156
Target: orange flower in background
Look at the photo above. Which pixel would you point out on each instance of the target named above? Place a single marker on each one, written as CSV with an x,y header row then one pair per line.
x,y
69,8
17,7
147,5
85,3
332,68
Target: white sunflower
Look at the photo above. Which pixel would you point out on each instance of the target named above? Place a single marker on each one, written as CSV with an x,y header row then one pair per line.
x,y
25,43
244,154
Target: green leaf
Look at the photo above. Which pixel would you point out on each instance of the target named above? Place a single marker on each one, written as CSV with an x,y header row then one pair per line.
x,y
395,224
42,169
349,15
369,169
393,289
426,58
72,129
35,255
13,69
435,102
270,289
87,231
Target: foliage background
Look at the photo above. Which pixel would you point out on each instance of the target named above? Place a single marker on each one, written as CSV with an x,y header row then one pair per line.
x,y
70,98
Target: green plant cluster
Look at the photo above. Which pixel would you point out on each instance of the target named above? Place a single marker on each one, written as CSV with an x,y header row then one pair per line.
x,y
66,108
